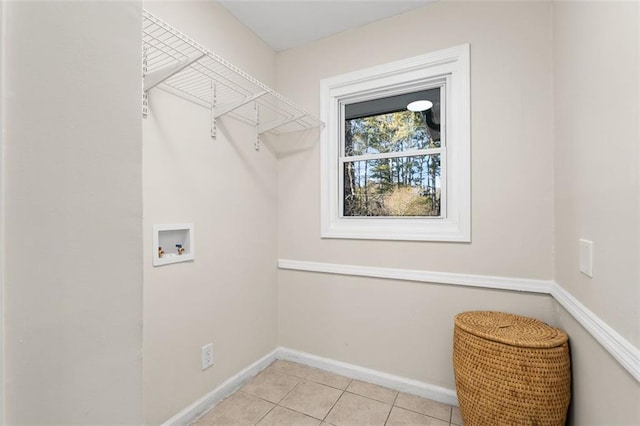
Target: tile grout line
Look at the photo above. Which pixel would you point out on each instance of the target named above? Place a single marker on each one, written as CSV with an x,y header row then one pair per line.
x,y
266,414
259,397
318,383
409,409
331,386
369,398
423,414
335,403
276,404
290,390
326,384
393,404
301,380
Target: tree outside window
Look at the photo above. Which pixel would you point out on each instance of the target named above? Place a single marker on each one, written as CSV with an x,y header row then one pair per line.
x,y
392,163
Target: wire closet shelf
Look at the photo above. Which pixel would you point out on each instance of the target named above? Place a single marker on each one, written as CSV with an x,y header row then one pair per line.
x,y
179,65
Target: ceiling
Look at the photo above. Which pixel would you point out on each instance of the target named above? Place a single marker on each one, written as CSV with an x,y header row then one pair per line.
x,y
286,24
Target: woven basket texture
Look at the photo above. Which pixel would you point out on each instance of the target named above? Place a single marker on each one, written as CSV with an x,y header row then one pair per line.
x,y
510,370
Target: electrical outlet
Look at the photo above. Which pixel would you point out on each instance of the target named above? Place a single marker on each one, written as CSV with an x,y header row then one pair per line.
x,y
207,356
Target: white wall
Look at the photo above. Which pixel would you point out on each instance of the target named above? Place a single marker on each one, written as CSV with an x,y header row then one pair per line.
x,y
597,196
227,296
73,193
405,328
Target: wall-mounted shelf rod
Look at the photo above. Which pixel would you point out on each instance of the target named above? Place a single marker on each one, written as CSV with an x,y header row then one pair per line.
x,y
179,65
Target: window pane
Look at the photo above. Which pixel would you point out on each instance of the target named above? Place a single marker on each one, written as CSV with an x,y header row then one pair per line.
x,y
402,186
385,125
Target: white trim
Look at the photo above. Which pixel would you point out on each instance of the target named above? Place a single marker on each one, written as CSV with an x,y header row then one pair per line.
x,y
387,155
620,348
402,384
204,404
415,73
467,280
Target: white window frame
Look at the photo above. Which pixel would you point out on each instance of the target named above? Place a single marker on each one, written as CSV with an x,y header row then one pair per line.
x,y
449,65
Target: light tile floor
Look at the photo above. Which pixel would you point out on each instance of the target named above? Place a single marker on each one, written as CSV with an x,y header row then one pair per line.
x,y
287,393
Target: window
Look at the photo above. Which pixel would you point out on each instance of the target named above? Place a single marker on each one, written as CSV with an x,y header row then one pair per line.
x,y
391,169
391,157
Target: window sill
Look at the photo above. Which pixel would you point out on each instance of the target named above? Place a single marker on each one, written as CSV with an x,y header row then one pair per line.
x,y
445,230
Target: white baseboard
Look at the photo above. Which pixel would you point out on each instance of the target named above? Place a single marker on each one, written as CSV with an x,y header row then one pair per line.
x,y
402,384
201,406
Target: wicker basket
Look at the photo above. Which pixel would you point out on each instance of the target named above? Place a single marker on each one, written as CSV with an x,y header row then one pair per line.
x,y
510,370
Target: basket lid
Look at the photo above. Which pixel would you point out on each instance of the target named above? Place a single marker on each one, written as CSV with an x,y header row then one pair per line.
x,y
514,330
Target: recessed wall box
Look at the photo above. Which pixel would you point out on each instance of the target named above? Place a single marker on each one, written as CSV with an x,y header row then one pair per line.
x,y
173,243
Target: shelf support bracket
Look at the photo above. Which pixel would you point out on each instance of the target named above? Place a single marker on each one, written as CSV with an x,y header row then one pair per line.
x,y
145,98
278,123
246,100
154,78
214,101
256,145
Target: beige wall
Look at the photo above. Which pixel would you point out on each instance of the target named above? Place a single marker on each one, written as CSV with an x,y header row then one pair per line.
x,y
398,327
511,138
405,328
73,198
2,212
603,393
227,296
73,193
597,140
597,77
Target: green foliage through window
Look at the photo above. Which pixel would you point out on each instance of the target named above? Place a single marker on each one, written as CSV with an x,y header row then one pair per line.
x,y
397,176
